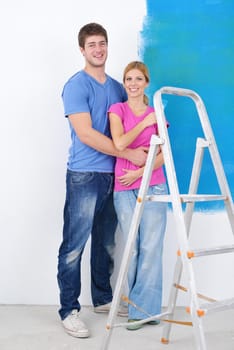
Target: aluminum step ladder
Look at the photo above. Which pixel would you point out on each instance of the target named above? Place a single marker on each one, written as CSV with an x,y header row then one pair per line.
x,y
183,218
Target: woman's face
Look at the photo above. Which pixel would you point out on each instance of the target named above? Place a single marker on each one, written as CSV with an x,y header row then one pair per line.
x,y
135,83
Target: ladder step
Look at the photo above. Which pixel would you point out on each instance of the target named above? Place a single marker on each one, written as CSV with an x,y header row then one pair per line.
x,y
211,251
186,198
218,306
202,197
159,198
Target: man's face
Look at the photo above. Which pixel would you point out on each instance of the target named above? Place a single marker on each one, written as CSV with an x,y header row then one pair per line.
x,y
95,50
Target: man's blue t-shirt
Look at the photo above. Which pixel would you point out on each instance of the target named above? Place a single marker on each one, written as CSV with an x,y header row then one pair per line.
x,y
83,93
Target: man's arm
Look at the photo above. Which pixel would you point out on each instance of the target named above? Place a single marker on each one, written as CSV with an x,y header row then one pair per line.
x,y
82,124
131,176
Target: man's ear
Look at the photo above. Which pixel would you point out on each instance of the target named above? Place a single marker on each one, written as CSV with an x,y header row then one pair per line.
x,y
82,50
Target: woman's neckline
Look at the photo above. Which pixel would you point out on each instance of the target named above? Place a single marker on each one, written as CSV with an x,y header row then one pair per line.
x,y
137,111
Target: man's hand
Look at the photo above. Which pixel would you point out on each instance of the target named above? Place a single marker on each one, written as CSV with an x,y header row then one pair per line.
x,y
137,156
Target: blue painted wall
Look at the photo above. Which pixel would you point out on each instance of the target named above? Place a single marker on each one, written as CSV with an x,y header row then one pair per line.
x,y
190,44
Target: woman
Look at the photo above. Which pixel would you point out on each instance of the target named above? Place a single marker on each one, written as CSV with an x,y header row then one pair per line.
x,y
132,124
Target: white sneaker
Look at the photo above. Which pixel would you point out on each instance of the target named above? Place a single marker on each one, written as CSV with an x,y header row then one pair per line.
x,y
74,326
122,310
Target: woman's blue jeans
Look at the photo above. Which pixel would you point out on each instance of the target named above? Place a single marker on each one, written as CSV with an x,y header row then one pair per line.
x,y
145,270
88,210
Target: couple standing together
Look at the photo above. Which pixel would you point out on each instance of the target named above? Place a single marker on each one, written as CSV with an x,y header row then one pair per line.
x,y
111,125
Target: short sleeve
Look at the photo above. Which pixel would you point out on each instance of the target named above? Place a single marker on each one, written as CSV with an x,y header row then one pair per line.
x,y
117,109
75,98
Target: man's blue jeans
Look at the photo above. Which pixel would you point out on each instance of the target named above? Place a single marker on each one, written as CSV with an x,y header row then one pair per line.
x,y
145,270
88,210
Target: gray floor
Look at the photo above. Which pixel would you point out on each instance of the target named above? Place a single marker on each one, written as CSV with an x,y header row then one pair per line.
x,y
39,328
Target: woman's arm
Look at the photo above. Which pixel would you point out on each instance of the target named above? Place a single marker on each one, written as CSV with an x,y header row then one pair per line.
x,y
123,140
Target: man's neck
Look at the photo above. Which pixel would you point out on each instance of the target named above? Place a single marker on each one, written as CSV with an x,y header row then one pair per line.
x,y
97,73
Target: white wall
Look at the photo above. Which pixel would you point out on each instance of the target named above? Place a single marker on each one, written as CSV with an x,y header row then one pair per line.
x,y
38,53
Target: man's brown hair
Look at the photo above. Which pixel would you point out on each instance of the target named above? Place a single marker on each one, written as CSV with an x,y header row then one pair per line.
x,y
91,29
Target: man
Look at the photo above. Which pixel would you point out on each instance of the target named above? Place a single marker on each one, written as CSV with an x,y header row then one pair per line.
x,y
88,208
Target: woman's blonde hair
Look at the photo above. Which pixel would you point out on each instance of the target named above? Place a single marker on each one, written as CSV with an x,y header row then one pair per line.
x,y
144,70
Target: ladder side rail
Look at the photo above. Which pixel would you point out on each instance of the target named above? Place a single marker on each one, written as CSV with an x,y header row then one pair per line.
x,y
194,180
178,267
215,156
170,171
155,141
188,217
122,275
217,163
172,300
179,217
